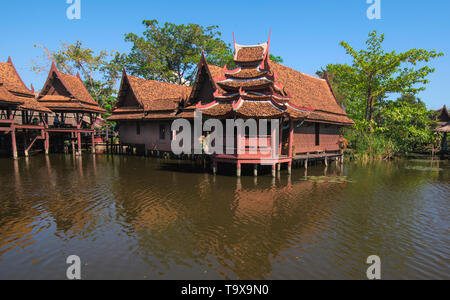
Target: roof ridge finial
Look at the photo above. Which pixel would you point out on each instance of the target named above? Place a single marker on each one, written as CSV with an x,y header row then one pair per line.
x,y
268,44
9,60
53,67
234,43
32,87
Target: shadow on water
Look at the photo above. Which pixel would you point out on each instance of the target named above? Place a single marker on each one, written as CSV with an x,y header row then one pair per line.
x,y
131,217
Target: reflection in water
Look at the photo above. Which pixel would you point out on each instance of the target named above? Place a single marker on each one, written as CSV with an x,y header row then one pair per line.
x,y
131,217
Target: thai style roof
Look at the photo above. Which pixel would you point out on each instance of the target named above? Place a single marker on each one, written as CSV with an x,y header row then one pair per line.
x,y
256,88
151,99
67,93
13,90
442,115
260,88
6,96
443,119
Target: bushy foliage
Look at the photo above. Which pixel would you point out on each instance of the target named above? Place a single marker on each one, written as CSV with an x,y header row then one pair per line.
x,y
384,127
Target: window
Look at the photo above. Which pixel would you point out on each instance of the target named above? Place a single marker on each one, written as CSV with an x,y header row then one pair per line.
x,y
317,130
162,132
138,128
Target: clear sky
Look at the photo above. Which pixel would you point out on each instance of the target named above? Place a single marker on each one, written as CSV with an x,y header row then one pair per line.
x,y
305,33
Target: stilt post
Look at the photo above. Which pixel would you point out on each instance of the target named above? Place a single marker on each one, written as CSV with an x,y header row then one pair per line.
x,y
13,143
93,142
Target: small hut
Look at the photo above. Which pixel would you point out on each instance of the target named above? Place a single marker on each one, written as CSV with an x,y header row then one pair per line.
x,y
75,111
21,116
443,119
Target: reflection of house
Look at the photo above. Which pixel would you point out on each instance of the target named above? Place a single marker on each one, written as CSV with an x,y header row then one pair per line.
x,y
443,120
258,88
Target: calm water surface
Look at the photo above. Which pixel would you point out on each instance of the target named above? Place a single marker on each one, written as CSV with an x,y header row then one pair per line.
x,y
138,218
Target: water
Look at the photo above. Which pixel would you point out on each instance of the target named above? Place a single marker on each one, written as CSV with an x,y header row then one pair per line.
x,y
138,218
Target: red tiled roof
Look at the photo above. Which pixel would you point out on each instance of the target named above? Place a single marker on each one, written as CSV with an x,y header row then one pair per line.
x,y
306,90
72,105
130,109
30,103
77,88
248,54
247,84
14,90
11,79
248,73
159,100
248,109
6,96
78,97
148,91
123,117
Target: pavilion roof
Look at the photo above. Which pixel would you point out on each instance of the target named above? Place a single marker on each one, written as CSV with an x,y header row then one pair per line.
x,y
153,99
263,85
65,92
14,91
442,115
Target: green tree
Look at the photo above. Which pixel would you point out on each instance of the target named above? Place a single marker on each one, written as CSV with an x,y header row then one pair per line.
x,y
171,52
100,71
406,122
277,59
375,73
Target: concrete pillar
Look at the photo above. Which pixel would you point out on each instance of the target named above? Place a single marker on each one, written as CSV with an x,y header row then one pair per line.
x,y
306,163
290,168
255,170
238,169
278,167
326,161
274,170
14,143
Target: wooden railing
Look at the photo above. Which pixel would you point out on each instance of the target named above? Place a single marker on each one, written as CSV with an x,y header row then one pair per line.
x,y
259,146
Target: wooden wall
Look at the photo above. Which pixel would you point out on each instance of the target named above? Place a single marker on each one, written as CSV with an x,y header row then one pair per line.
x,y
149,134
305,137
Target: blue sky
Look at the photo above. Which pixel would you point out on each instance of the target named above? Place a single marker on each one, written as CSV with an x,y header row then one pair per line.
x,y
305,33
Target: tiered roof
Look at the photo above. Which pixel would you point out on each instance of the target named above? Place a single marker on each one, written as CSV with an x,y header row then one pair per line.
x,y
14,92
260,88
66,93
140,99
